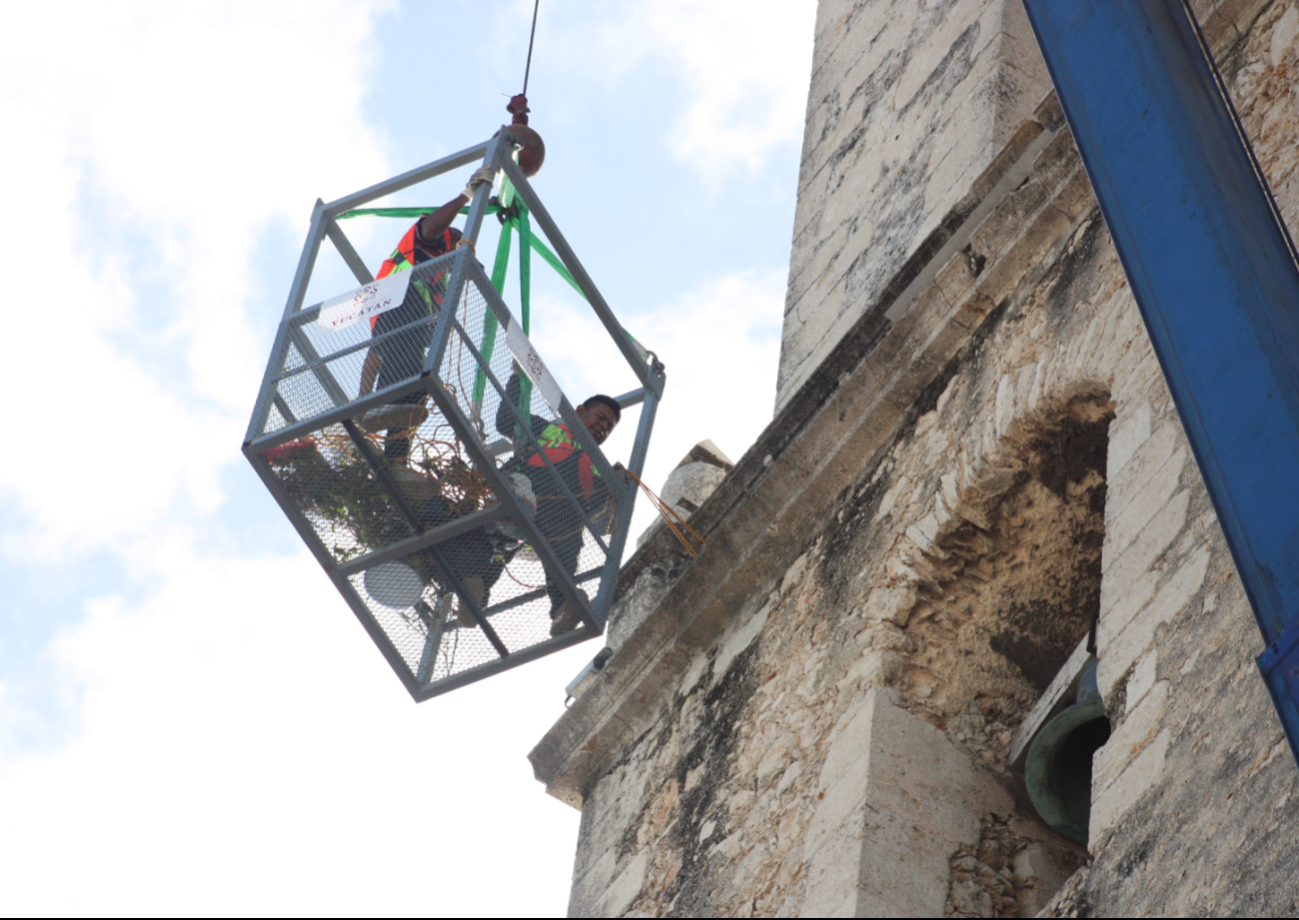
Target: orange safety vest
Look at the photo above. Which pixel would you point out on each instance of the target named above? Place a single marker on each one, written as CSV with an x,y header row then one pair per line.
x,y
406,256
557,444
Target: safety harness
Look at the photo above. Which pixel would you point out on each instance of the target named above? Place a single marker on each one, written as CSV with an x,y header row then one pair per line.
x,y
409,253
557,443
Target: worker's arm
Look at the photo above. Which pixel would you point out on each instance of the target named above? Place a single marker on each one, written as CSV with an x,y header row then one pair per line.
x,y
505,417
433,225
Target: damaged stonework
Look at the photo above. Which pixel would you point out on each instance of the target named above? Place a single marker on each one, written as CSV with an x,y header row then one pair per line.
x,y
1005,874
841,416
1010,562
813,718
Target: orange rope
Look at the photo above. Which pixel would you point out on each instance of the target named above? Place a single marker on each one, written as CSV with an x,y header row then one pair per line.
x,y
437,454
676,523
517,582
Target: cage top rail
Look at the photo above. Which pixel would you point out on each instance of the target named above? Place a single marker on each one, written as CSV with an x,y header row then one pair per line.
x,y
494,152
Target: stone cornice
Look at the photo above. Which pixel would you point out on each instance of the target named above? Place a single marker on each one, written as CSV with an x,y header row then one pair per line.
x,y
854,406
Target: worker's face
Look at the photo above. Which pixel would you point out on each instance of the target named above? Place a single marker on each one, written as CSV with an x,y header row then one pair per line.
x,y
598,419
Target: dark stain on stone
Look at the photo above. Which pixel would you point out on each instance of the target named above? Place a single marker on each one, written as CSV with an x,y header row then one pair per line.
x,y
868,93
1133,859
1076,447
1083,906
951,70
893,236
1033,640
1074,277
966,359
715,739
856,508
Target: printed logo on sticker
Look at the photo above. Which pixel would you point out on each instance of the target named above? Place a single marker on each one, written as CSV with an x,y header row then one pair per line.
x,y
534,366
366,301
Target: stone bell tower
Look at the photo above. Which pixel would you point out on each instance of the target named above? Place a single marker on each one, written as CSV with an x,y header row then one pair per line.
x,y
975,494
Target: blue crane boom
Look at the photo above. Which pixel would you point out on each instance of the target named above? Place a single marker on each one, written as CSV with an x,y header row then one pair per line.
x,y
1213,271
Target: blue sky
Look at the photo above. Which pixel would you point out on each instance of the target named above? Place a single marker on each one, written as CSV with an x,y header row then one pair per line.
x,y
190,719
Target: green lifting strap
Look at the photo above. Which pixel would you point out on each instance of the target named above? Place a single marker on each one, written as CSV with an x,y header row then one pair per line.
x,y
401,212
516,221
542,250
488,344
528,242
553,261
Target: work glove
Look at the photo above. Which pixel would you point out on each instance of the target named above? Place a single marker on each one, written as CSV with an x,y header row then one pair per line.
x,y
485,174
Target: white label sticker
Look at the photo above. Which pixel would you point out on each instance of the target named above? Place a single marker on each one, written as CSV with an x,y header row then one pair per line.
x,y
530,361
367,301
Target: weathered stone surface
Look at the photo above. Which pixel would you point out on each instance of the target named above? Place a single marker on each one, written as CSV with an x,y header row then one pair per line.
x,y
814,718
909,104
690,483
689,486
905,853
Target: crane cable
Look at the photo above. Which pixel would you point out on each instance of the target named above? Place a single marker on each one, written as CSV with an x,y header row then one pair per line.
x,y
527,68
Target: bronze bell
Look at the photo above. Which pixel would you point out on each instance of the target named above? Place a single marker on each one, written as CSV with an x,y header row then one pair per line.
x,y
1058,769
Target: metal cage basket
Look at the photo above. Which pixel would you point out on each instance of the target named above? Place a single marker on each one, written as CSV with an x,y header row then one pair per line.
x,y
454,497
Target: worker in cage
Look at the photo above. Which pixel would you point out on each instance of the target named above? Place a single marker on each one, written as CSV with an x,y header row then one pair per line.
x,y
472,556
402,356
556,516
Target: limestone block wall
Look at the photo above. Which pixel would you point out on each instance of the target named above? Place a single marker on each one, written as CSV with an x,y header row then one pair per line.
x,y
909,102
814,717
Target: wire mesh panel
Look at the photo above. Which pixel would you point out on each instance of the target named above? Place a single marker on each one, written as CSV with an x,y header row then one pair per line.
x,y
369,339
573,498
337,493
460,505
418,444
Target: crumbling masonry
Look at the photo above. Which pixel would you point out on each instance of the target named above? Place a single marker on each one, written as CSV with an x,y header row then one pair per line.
x,y
974,462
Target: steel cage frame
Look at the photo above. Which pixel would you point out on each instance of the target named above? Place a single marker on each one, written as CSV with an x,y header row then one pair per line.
x,y
496,152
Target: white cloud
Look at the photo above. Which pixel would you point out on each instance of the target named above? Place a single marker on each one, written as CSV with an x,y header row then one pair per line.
x,y
244,750
185,126
743,70
748,69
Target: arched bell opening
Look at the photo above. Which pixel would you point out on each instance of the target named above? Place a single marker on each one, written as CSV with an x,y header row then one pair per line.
x,y
1017,585
1012,598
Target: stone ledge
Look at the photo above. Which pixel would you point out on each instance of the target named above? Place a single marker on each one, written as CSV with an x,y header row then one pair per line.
x,y
770,506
